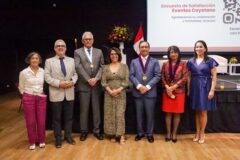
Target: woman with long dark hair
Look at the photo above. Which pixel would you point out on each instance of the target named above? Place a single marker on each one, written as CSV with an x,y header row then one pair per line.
x,y
202,82
115,80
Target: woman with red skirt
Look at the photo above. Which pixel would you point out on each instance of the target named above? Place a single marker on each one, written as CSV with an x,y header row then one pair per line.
x,y
174,76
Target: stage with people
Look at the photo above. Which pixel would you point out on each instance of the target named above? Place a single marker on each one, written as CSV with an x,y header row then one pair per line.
x,y
101,79
225,119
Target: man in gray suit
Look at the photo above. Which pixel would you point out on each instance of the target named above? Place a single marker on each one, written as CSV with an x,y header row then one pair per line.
x,y
88,62
61,76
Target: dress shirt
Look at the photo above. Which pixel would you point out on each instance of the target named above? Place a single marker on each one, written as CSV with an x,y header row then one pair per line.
x,y
31,83
144,60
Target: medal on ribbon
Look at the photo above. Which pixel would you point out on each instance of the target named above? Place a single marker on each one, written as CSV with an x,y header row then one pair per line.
x,y
144,78
172,74
144,68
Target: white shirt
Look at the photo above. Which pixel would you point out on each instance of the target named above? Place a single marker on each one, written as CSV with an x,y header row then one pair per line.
x,y
89,55
31,83
144,60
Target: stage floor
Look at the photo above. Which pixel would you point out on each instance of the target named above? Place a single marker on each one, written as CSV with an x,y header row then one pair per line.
x,y
14,144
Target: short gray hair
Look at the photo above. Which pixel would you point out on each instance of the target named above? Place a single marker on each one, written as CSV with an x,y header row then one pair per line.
x,y
85,33
59,40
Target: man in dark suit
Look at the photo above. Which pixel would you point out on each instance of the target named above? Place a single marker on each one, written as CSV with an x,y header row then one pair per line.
x,y
88,62
61,76
145,74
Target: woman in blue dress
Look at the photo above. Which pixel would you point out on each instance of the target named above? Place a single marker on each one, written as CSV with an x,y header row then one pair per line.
x,y
202,78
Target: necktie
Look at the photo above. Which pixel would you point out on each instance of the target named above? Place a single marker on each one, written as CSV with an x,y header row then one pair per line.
x,y
63,68
89,51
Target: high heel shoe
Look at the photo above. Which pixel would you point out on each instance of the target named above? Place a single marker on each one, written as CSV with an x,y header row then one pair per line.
x,y
174,140
167,139
201,140
113,139
122,140
196,138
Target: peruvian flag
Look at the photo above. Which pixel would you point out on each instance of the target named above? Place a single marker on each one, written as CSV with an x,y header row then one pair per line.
x,y
138,39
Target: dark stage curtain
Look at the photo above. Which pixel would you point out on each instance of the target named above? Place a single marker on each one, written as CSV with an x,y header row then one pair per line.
x,y
225,119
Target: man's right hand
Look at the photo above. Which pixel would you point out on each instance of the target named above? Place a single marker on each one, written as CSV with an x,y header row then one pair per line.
x,y
92,82
143,89
63,84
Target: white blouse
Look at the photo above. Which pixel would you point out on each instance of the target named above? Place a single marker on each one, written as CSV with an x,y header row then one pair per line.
x,y
31,83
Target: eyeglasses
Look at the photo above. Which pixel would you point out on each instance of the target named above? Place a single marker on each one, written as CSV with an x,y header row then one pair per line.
x,y
113,54
88,39
173,52
144,47
58,46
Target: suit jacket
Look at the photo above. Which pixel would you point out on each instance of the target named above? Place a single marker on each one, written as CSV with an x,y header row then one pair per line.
x,y
179,78
53,76
85,72
152,72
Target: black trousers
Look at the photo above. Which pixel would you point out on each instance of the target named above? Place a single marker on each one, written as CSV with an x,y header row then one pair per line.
x,y
64,108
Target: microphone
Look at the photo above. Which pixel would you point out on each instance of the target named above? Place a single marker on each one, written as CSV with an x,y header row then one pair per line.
x,y
75,41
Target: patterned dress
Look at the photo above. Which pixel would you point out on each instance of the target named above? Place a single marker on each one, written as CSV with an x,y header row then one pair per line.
x,y
180,77
114,108
200,85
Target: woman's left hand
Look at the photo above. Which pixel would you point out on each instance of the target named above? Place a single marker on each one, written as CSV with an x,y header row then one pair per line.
x,y
172,88
115,93
210,95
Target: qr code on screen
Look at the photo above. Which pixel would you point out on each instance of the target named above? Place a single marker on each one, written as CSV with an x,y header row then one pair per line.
x,y
232,11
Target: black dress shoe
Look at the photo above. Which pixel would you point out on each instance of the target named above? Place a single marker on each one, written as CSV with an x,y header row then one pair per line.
x,y
58,143
99,136
83,136
150,139
138,137
70,140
